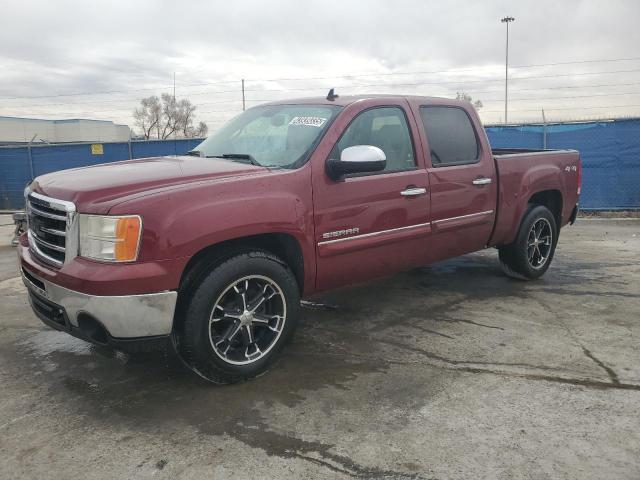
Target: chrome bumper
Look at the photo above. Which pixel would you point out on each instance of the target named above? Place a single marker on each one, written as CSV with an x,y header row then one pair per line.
x,y
124,317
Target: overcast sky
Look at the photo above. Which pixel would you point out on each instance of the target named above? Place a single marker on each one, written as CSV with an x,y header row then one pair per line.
x,y
62,59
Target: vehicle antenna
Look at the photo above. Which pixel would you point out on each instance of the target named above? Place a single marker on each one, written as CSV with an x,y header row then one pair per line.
x,y
331,96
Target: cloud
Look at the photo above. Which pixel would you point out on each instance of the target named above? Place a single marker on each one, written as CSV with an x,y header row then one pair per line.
x,y
133,48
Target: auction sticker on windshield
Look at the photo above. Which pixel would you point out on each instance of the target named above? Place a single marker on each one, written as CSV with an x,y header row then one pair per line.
x,y
309,121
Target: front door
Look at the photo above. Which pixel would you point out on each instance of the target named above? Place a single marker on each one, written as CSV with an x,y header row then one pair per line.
x,y
373,225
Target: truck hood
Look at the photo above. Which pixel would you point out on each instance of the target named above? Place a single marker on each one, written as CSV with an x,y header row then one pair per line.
x,y
97,188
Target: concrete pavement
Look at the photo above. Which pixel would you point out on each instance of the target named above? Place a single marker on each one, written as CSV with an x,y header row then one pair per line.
x,y
450,372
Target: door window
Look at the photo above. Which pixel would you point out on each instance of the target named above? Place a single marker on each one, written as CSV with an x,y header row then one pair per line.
x,y
452,139
385,128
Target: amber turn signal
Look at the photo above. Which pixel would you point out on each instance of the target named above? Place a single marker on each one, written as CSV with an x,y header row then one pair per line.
x,y
127,236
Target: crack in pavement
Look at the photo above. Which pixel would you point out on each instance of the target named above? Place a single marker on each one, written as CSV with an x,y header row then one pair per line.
x,y
588,293
574,381
428,330
470,322
615,380
478,367
612,375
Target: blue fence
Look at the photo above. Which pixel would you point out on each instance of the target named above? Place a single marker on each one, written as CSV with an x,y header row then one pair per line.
x,y
19,164
610,152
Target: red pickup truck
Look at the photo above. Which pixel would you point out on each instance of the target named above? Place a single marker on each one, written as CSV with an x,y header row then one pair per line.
x,y
214,249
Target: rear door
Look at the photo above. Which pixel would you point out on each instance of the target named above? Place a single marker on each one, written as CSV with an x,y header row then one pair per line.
x,y
372,225
462,179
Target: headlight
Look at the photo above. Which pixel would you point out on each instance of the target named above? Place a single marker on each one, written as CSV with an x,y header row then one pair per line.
x,y
110,238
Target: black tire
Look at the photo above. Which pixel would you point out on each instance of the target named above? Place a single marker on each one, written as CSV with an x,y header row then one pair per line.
x,y
522,261
202,338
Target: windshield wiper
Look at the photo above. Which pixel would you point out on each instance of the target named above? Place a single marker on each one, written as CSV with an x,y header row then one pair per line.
x,y
238,156
194,153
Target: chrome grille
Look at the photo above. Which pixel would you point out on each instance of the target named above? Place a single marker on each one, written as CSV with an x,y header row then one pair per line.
x,y
51,228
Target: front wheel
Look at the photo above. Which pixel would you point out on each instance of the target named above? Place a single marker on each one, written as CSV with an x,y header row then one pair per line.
x,y
240,317
530,255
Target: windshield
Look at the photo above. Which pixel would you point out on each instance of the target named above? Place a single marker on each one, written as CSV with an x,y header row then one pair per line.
x,y
273,136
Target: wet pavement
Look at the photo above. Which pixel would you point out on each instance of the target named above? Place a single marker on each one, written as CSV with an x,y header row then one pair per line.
x,y
449,372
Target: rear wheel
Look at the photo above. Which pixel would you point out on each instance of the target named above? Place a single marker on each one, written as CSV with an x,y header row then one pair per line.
x,y
530,255
240,317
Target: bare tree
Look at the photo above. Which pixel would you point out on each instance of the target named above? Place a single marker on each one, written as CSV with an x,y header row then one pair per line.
x,y
187,113
166,116
149,116
465,96
201,130
170,115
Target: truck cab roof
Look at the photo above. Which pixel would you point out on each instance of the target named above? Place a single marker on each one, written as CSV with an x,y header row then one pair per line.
x,y
346,100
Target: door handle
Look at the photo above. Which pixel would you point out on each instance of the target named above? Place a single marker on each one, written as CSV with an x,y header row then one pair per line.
x,y
482,181
413,191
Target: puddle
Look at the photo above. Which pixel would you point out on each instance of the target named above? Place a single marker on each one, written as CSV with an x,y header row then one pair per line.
x,y
48,342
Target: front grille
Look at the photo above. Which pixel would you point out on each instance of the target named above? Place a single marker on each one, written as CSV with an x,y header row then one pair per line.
x,y
49,221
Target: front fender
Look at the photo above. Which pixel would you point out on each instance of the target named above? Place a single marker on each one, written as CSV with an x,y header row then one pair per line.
x,y
182,222
199,226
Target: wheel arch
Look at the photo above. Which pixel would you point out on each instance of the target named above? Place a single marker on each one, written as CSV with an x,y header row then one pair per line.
x,y
282,245
551,199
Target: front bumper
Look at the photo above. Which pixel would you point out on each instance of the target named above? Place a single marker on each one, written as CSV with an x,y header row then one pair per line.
x,y
94,317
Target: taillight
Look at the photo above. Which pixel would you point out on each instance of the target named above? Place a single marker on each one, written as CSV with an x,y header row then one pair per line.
x,y
579,175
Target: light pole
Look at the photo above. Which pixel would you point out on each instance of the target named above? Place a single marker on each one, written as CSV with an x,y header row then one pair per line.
x,y
506,20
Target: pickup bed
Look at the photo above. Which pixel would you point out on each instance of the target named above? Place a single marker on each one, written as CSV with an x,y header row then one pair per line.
x,y
213,250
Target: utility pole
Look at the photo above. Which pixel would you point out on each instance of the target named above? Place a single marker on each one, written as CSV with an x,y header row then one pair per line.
x,y
544,131
243,104
31,155
506,20
174,86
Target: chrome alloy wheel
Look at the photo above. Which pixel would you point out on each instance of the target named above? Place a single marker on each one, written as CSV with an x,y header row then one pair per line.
x,y
247,319
539,243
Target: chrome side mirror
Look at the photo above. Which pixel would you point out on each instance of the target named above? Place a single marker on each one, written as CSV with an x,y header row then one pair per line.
x,y
356,159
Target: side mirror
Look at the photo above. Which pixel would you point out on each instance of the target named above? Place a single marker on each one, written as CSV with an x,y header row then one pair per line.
x,y
356,159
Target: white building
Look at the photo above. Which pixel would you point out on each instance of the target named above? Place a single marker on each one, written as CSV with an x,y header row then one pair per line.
x,y
15,130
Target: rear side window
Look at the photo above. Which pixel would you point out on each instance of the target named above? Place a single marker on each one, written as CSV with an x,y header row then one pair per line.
x,y
450,134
